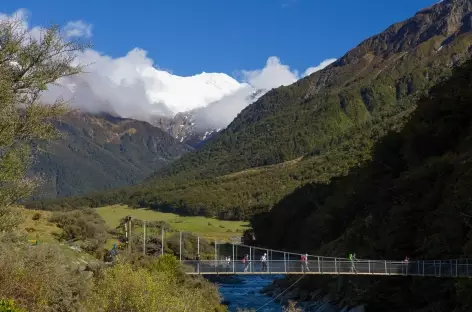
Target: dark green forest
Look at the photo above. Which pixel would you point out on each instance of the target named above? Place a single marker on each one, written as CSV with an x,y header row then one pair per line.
x,y
412,199
99,152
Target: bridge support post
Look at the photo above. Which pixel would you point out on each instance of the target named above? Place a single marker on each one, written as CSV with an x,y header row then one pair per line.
x,y
335,266
285,262
269,259
386,271
216,257
250,259
162,241
180,246
198,245
144,238
319,265
456,267
233,258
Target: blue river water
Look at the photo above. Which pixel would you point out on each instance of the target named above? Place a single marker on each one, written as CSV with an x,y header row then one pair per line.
x,y
245,293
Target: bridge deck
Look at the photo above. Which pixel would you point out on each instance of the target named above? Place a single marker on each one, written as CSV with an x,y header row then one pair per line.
x,y
331,266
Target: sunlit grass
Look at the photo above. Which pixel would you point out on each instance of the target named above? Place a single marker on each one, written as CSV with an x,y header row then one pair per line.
x,y
205,227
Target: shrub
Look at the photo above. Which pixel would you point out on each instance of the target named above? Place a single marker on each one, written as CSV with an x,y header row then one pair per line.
x,y
36,216
39,278
9,306
82,225
124,288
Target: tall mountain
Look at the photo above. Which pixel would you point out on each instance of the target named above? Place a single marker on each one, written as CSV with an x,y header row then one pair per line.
x,y
100,151
412,199
318,128
382,76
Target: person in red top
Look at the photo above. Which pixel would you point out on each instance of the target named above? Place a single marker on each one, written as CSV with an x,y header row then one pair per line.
x,y
245,261
304,262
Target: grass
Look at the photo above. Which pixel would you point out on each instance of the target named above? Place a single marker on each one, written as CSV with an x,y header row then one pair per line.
x,y
205,227
40,229
36,226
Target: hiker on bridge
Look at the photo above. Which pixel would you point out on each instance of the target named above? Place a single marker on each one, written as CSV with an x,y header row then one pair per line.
x,y
353,259
406,261
304,263
245,262
264,262
197,257
228,263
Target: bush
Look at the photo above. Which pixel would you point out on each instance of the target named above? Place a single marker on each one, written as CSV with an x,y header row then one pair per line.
x,y
82,225
9,306
36,216
124,288
39,278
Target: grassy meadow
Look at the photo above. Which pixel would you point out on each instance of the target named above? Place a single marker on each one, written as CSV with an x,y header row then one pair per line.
x,y
209,228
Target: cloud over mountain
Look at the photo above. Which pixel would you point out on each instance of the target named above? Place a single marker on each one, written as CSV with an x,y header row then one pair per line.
x,y
133,86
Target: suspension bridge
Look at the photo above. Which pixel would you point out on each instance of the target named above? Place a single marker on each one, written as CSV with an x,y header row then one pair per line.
x,y
228,261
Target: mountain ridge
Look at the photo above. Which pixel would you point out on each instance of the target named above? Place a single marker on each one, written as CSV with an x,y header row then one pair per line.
x,y
101,151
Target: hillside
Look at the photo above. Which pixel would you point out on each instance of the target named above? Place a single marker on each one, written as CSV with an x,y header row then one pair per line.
x,y
98,152
380,77
313,130
413,199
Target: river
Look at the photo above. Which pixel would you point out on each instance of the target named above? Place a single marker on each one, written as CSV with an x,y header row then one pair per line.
x,y
243,292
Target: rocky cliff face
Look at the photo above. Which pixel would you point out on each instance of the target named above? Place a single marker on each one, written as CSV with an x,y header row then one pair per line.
x,y
443,22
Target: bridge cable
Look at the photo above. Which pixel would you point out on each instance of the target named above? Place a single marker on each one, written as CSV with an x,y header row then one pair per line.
x,y
273,299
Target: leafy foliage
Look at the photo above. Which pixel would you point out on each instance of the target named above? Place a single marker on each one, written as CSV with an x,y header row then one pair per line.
x,y
85,226
39,279
9,306
27,66
163,287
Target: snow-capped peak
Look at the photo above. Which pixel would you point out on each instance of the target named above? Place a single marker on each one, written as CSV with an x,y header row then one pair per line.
x,y
182,94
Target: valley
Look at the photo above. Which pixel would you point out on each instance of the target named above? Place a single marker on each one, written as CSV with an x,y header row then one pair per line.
x,y
366,154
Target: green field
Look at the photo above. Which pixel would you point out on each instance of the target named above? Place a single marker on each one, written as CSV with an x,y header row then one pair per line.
x,y
205,227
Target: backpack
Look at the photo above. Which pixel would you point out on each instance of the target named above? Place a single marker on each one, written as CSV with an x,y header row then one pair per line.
x,y
303,258
244,260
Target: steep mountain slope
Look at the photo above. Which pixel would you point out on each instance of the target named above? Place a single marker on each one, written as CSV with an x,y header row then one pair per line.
x,y
99,152
381,76
413,199
315,129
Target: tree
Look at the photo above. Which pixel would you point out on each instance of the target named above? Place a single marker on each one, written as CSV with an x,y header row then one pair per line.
x,y
28,64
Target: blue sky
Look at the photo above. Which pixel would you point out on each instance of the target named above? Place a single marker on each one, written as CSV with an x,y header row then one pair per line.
x,y
191,36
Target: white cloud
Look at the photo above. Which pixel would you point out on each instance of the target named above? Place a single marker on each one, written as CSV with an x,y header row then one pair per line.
x,y
78,29
273,75
131,86
322,65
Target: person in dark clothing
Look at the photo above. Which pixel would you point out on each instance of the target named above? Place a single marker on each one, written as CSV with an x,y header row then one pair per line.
x,y
198,262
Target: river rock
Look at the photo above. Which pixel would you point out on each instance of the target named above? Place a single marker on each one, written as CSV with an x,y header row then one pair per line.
x,y
270,287
304,295
360,308
315,295
312,306
326,307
